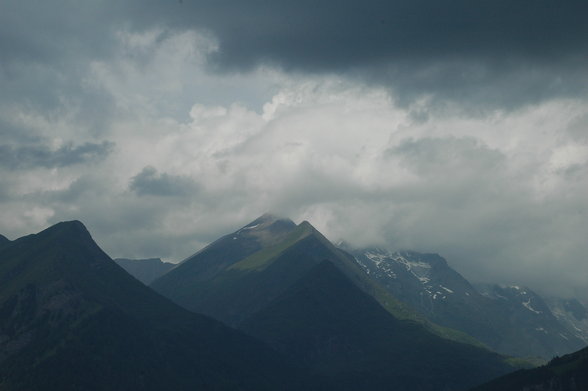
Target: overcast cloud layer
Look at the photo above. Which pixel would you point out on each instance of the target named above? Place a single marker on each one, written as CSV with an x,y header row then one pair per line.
x,y
456,127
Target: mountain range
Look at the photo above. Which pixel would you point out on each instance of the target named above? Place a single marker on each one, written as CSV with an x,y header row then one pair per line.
x,y
572,314
511,320
271,306
241,272
287,285
71,319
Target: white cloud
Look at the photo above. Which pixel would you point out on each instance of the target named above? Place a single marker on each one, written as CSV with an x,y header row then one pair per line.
x,y
502,196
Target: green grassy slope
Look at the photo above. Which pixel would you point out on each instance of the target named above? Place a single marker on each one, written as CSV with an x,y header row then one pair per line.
x,y
181,282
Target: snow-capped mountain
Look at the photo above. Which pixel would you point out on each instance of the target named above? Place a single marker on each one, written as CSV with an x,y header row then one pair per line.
x,y
521,298
422,280
510,320
572,314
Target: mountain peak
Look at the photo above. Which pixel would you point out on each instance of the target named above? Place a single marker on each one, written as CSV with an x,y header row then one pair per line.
x,y
267,219
305,223
306,226
268,222
68,226
68,230
265,231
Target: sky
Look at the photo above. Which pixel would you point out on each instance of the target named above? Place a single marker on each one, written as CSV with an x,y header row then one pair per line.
x,y
458,127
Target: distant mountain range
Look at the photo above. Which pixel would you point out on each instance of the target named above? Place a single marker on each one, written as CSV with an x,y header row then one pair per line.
x,y
572,314
511,320
145,270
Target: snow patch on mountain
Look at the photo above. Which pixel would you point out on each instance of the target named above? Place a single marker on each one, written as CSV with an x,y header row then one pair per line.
x,y
572,314
379,260
419,269
527,305
447,289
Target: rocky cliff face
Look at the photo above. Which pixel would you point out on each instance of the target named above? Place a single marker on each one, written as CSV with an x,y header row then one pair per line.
x,y
511,320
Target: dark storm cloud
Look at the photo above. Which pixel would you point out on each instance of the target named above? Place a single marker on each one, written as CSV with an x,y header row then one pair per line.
x,y
325,34
150,182
498,53
25,157
462,49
